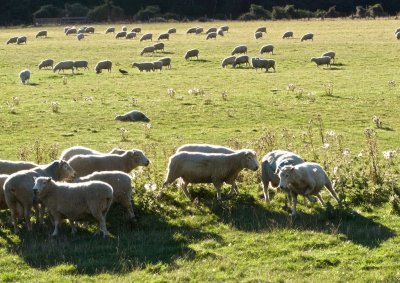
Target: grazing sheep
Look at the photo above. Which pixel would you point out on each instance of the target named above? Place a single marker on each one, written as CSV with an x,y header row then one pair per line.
x,y
66,28
110,30
263,64
205,148
398,35
157,65
75,201
213,29
46,63
216,168
330,54
146,36
64,65
133,116
87,164
261,29
199,30
81,30
147,49
145,66
258,35
324,60
124,28
18,188
271,163
71,31
81,64
396,31
220,32
89,30
224,28
21,39
68,153
305,179
137,30
287,34
163,36
9,167
103,65
159,46
243,59
211,35
267,48
192,53
42,33
130,35
307,36
191,30
228,61
24,76
166,62
121,34
239,49
80,36
172,30
12,40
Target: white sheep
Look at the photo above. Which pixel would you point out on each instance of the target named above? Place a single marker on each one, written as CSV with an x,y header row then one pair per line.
x,y
211,35
147,49
267,49
9,167
3,204
66,28
398,35
199,30
42,33
46,63
261,29
224,28
212,29
172,30
12,40
220,32
71,31
243,59
124,28
324,60
330,54
205,148
130,35
157,65
166,62
21,39
81,30
192,53
397,30
80,36
81,64
89,30
263,63
103,65
258,35
287,34
239,49
307,36
137,30
145,66
228,61
163,36
121,34
146,36
68,153
159,46
75,201
110,30
64,65
24,76
191,30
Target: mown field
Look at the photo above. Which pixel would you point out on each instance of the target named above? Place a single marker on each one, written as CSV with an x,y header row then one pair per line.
x,y
322,116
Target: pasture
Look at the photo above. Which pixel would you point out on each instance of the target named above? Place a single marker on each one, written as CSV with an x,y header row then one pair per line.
x,y
320,113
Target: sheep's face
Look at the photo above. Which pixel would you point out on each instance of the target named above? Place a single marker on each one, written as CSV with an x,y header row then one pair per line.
x,y
250,160
138,158
41,185
66,171
285,177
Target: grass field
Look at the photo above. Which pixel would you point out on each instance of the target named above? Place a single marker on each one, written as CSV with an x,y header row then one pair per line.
x,y
241,239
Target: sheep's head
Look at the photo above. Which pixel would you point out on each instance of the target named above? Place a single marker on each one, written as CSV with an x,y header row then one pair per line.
x,y
41,184
66,171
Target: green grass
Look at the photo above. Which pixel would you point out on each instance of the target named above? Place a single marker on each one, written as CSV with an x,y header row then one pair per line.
x,y
241,239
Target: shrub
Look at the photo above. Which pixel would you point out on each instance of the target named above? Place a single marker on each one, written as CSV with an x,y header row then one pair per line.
x,y
320,14
332,13
260,12
76,10
375,11
247,17
279,12
361,12
145,14
105,12
48,11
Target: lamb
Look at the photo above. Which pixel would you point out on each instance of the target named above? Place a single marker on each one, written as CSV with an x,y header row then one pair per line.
x,y
24,76
239,49
71,31
147,49
81,64
18,188
224,28
12,40
89,30
159,46
172,30
92,199
146,36
145,66
121,34
191,30
305,179
87,164
46,63
64,65
121,184
244,59
199,30
166,62
68,153
42,33
324,60
163,36
21,39
228,61
103,65
157,65
80,36
211,35
263,63
307,36
267,48
216,168
271,164
258,35
137,30
213,29
261,29
130,35
9,167
287,34
110,30
330,54
133,116
192,53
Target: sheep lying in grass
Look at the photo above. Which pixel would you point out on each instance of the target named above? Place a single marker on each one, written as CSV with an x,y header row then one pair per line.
x,y
147,49
307,36
146,36
324,60
228,61
163,36
64,65
244,59
110,30
261,29
267,49
192,53
75,201
158,46
263,64
287,34
103,65
9,167
87,164
330,54
81,64
258,35
12,40
42,33
18,188
144,66
211,35
46,63
172,30
121,34
21,39
133,116
166,62
216,168
239,49
130,35
24,76
68,153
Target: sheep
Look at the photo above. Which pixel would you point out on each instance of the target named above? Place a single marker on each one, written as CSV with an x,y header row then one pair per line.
x,y
46,63
121,34
89,30
159,46
163,36
172,30
87,164
396,31
261,29
121,184
137,30
224,28
9,167
211,35
244,59
205,148
80,36
130,35
307,36
66,28
75,201
81,30
267,48
239,49
166,62
147,49
213,29
18,188
12,40
216,168
110,30
68,153
145,66
124,28
305,179
220,32
263,63
64,65
330,54
287,34
157,65
81,64
24,76
21,39
324,60
191,30
133,116
228,61
103,65
258,35
192,53
397,35
146,36
42,33
3,204
199,30
71,31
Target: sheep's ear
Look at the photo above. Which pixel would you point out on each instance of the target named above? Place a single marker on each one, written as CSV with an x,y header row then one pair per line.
x,y
48,179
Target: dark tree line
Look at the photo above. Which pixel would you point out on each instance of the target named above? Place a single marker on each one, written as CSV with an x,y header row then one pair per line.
x,y
23,11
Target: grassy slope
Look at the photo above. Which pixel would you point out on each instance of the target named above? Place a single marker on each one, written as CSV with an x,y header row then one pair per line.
x,y
242,239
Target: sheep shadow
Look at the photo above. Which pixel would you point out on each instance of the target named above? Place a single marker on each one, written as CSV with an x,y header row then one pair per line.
x,y
32,84
201,60
387,128
334,69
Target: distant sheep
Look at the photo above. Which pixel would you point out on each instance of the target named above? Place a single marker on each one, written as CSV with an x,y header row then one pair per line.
x,y
220,32
192,53
263,64
130,35
89,30
42,33
330,54
64,65
24,76
3,204
166,62
199,30
145,66
239,49
12,40
9,167
110,30
397,30
224,28
172,30
261,29
307,36
81,30
158,46
228,61
191,30
81,64
21,39
213,29
71,31
243,59
205,148
121,34
80,36
46,63
258,35
211,35
133,116
267,49
124,28
324,60
137,30
397,36
147,49
163,36
287,34
147,36
157,65
66,28
103,65
68,153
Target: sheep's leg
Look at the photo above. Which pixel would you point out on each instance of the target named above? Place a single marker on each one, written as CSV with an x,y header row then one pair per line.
x,y
13,210
55,232
265,186
218,188
321,200
294,202
234,188
128,205
73,227
332,191
27,215
185,191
